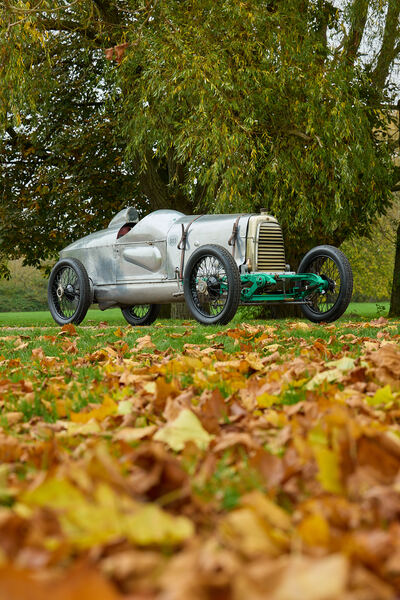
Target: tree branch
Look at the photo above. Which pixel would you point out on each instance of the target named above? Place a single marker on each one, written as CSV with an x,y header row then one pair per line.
x,y
352,41
325,11
109,13
37,9
12,133
389,48
304,136
151,183
69,26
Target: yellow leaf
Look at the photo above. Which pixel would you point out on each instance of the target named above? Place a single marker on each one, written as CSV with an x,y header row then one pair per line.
x,y
152,525
300,326
382,396
118,332
107,516
125,407
132,434
185,428
273,514
55,492
343,364
314,530
150,387
272,347
329,470
325,376
61,408
109,407
243,530
267,400
254,361
90,428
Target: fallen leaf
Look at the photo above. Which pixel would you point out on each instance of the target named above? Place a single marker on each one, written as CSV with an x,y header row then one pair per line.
x,y
144,342
382,396
243,530
314,579
69,328
328,469
185,428
314,530
299,326
343,364
132,434
324,376
108,407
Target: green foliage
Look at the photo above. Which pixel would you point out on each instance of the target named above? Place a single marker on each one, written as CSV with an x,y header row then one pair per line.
x,y
25,291
372,258
62,171
372,262
260,113
211,106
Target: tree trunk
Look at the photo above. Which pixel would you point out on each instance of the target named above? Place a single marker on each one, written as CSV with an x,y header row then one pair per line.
x,y
179,310
165,312
281,311
389,48
394,310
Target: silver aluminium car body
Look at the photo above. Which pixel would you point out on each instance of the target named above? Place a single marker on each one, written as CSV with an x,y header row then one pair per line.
x,y
146,264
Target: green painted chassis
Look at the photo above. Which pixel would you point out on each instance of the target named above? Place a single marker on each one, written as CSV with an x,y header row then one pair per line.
x,y
297,293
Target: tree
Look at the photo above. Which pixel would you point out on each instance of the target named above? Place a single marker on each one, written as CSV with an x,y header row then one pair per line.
x,y
372,259
214,106
394,310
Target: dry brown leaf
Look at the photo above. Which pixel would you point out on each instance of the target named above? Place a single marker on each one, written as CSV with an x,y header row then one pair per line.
x,y
144,342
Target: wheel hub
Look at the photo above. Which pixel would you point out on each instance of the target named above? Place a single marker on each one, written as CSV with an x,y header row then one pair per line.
x,y
202,286
70,292
331,284
213,286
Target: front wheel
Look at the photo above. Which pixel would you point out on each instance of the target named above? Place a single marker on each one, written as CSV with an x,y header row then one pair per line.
x,y
333,266
141,314
68,293
212,285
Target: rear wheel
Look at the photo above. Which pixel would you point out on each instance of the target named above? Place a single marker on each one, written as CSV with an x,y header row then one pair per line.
x,y
212,285
331,264
141,314
68,293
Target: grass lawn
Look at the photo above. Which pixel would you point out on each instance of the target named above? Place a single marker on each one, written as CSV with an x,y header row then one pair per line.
x,y
208,449
113,316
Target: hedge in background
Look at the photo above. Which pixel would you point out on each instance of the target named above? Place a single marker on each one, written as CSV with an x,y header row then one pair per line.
x,y
25,291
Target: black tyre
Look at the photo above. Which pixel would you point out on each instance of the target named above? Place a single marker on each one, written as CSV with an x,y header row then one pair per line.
x,y
211,284
331,264
141,314
69,294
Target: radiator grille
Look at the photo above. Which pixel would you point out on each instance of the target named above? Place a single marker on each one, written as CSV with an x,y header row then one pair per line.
x,y
271,250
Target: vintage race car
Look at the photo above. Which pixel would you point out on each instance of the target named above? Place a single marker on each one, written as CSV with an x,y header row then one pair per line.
x,y
213,262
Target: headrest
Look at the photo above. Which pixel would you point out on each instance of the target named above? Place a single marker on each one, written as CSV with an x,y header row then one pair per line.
x,y
126,215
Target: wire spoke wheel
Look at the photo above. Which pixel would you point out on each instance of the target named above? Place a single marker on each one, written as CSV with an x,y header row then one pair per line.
x,y
324,266
333,266
212,285
141,314
140,310
208,286
68,294
65,292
